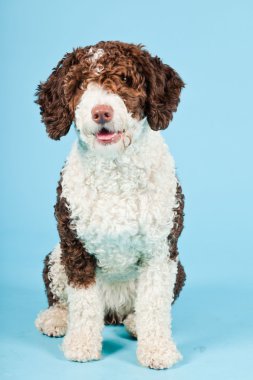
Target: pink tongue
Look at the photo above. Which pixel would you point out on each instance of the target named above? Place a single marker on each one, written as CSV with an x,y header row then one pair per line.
x,y
105,136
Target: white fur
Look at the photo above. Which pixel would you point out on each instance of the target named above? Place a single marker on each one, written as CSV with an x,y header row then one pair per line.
x,y
83,340
94,55
117,296
53,321
153,316
57,275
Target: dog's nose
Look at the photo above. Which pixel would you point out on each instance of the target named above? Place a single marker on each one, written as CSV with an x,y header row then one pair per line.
x,y
102,113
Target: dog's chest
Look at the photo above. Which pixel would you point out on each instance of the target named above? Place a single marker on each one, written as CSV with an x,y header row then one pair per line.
x,y
119,211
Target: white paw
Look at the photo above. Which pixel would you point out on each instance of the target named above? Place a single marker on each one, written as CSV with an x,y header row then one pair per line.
x,y
130,325
81,348
158,355
53,321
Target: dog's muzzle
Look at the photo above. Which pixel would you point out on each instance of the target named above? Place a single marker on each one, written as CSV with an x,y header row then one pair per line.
x,y
102,114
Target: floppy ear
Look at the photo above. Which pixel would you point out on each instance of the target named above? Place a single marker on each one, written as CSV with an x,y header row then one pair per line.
x,y
54,96
163,89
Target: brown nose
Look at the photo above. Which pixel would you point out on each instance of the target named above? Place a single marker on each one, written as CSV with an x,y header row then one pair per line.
x,y
102,113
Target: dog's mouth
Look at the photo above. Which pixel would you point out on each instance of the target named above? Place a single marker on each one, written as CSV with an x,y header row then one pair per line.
x,y
104,136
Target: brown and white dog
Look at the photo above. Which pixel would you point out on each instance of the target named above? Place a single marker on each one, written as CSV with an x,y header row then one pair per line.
x,y
119,203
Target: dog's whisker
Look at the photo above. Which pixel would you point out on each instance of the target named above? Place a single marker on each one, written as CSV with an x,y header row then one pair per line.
x,y
129,140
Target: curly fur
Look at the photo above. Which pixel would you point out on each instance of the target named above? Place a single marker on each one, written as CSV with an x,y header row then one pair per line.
x,y
119,206
151,87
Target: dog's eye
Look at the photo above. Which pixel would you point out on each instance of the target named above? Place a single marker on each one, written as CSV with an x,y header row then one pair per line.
x,y
127,80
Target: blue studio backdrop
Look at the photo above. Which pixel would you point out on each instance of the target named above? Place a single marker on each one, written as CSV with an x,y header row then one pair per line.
x,y
209,43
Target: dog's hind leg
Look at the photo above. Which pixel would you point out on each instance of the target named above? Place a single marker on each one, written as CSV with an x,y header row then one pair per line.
x,y
53,321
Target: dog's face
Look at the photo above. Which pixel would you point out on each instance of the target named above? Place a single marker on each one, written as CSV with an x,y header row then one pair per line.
x,y
109,90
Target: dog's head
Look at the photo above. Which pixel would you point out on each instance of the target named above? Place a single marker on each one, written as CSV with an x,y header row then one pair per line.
x,y
108,90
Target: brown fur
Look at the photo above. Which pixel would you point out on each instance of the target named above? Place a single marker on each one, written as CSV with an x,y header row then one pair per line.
x,y
178,224
112,318
180,280
147,86
78,264
173,240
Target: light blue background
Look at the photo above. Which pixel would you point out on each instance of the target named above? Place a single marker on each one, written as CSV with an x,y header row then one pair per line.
x,y
210,44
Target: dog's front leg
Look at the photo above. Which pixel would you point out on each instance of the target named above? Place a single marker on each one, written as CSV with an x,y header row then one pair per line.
x,y
83,340
156,348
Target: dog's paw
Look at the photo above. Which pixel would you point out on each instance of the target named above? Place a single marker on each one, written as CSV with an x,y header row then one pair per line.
x,y
81,348
158,356
53,321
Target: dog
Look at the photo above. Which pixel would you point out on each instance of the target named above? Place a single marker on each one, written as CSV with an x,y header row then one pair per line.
x,y
119,206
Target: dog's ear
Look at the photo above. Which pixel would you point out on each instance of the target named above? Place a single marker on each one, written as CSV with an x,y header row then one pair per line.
x,y
163,90
56,94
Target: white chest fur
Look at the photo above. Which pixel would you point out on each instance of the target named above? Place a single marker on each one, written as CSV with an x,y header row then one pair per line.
x,y
122,209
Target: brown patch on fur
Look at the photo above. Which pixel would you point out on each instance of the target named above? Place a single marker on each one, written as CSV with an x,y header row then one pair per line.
x,y
147,86
79,265
52,298
180,281
173,240
178,223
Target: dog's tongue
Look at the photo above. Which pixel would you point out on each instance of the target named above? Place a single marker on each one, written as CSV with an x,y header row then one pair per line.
x,y
103,135
106,137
